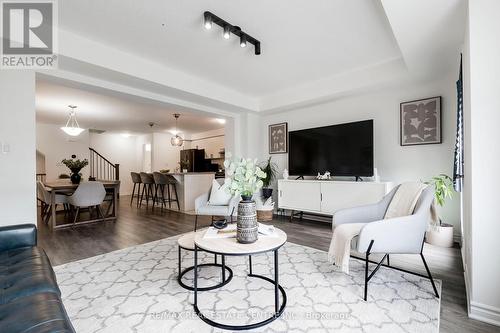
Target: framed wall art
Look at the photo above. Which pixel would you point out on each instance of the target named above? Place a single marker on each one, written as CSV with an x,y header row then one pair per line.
x,y
420,122
278,138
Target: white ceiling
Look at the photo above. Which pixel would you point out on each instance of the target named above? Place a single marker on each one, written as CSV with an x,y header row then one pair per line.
x,y
114,112
312,51
302,41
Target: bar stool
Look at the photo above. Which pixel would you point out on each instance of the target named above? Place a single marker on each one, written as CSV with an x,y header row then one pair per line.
x,y
160,181
186,242
136,179
172,183
148,184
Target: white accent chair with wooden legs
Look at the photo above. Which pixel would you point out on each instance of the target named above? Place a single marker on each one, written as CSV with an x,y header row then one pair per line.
x,y
88,195
45,198
401,235
204,207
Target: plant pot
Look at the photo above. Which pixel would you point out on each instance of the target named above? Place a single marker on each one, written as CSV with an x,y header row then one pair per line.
x,y
76,178
246,198
267,193
440,235
246,226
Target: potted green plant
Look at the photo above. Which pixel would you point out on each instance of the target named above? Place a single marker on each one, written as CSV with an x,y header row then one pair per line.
x,y
245,178
184,165
441,234
271,170
75,166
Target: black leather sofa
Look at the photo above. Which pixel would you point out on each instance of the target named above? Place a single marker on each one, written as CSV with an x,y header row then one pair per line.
x,y
30,300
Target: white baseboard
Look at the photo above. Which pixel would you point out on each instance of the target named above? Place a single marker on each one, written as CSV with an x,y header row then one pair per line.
x,y
486,313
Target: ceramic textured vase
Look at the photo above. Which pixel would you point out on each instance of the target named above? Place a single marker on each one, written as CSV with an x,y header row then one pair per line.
x,y
247,228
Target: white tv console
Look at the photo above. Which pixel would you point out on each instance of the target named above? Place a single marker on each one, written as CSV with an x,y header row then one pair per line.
x,y
325,197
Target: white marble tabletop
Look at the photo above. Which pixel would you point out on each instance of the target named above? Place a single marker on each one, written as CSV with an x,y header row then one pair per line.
x,y
230,246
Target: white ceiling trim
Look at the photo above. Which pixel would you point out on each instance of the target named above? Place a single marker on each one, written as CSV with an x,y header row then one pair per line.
x,y
336,86
84,50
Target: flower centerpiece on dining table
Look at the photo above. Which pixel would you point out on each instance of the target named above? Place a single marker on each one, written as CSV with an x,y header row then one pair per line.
x,y
75,165
244,177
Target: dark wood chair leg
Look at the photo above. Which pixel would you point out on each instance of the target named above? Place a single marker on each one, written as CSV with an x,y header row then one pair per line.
x,y
142,195
138,194
162,191
155,194
133,191
195,222
176,197
169,197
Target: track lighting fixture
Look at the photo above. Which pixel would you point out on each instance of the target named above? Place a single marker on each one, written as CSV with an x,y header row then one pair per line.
x,y
229,29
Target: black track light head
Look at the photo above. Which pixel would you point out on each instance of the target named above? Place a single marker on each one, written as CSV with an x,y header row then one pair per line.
x,y
208,21
227,32
243,40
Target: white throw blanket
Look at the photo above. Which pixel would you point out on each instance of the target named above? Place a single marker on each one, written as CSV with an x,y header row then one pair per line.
x,y
402,204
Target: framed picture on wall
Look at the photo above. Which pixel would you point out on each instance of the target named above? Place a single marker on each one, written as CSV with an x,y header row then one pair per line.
x,y
278,138
420,122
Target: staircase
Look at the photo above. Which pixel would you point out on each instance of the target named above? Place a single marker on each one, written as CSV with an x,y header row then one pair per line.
x,y
101,168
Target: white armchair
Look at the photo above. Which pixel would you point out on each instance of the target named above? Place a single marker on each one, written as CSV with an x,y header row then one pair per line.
x,y
203,207
402,235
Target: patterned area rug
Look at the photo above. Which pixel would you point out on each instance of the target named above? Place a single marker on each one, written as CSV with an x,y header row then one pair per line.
x,y
136,290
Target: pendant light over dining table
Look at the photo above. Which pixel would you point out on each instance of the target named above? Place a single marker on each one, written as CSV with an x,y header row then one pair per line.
x,y
72,128
176,140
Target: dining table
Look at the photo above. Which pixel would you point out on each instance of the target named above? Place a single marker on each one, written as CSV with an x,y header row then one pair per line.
x,y
67,187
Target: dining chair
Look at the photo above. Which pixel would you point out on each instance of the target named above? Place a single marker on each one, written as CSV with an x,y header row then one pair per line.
x,y
87,195
46,200
136,179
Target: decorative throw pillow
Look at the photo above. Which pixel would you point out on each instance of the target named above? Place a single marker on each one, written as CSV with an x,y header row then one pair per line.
x,y
219,196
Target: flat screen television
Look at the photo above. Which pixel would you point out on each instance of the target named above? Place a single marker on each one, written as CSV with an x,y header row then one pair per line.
x,y
343,149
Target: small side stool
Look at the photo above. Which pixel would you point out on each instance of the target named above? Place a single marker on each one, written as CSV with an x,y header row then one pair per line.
x,y
186,243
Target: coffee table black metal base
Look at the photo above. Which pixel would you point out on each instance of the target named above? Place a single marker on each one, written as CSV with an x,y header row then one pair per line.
x,y
278,309
224,268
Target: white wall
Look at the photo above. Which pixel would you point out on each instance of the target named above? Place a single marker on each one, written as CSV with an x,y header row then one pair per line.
x,y
17,137
144,156
56,145
394,163
122,150
211,141
165,156
482,159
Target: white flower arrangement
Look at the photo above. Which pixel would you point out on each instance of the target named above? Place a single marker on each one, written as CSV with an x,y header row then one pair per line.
x,y
243,176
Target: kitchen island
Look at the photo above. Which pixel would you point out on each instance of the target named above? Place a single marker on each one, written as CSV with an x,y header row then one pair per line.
x,y
191,185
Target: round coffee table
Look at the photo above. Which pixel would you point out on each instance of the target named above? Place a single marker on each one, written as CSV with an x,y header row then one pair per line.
x,y
231,247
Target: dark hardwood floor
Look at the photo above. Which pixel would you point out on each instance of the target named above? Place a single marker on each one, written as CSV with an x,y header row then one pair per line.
x,y
137,226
